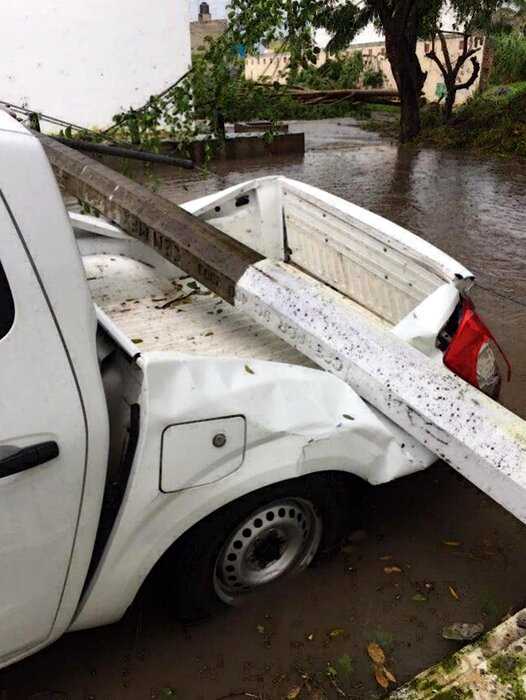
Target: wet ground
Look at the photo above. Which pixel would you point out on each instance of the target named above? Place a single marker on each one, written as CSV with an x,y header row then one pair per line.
x,y
454,555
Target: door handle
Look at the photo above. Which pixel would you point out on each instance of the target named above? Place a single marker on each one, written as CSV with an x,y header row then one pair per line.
x,y
28,457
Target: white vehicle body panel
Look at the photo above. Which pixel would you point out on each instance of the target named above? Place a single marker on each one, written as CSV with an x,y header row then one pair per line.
x,y
298,421
50,389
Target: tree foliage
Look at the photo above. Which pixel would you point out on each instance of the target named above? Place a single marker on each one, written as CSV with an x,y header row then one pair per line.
x,y
296,23
216,89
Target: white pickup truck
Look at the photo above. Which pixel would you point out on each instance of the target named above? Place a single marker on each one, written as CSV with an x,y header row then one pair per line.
x,y
144,420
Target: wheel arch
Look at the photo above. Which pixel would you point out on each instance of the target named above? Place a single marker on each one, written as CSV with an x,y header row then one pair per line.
x,y
111,592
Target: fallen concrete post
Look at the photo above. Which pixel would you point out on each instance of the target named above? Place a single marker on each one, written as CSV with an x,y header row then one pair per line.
x,y
481,439
210,256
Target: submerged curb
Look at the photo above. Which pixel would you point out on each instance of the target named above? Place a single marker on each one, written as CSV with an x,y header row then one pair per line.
x,y
491,668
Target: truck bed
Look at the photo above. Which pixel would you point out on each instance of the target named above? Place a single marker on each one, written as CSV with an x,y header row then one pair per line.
x,y
380,271
179,314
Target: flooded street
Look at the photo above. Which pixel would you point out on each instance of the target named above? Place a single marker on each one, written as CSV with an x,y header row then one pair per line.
x,y
454,555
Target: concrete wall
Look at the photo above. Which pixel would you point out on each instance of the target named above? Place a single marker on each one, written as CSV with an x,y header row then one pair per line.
x,y
85,60
275,66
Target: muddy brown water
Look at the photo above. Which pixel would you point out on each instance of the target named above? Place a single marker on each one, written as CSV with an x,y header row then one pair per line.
x,y
313,630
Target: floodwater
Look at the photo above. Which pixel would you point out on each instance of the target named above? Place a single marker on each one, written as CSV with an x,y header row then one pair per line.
x,y
313,631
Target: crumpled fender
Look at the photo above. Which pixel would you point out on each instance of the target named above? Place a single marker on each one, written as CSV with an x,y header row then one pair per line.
x,y
338,430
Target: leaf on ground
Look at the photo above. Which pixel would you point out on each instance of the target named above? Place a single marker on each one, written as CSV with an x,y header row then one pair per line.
x,y
381,678
392,570
136,340
451,543
344,665
209,333
390,676
249,370
419,598
336,632
294,693
260,629
310,637
318,695
376,653
167,693
453,592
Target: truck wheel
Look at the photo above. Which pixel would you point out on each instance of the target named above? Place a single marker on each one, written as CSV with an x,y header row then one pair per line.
x,y
259,539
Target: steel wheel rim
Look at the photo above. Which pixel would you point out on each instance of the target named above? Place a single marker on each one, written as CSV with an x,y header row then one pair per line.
x,y
276,540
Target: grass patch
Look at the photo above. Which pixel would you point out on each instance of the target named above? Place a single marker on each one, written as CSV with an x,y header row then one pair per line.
x,y
509,64
491,122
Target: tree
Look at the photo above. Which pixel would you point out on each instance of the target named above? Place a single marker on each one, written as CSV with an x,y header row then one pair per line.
x,y
471,16
450,69
511,17
296,21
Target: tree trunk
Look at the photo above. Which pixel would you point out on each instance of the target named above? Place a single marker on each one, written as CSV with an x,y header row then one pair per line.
x,y
410,79
450,102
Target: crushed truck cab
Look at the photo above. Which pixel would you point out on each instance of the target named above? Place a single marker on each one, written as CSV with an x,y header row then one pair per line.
x,y
146,420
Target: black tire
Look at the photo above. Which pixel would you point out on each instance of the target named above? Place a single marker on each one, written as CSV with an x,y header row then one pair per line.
x,y
190,565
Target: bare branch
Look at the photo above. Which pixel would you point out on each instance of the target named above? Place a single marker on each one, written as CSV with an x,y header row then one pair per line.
x,y
445,51
434,57
473,76
464,56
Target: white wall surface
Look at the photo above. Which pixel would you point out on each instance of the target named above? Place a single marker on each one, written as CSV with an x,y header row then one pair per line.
x,y
85,60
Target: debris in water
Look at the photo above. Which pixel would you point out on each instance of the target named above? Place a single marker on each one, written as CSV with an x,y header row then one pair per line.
x,y
463,631
249,370
336,632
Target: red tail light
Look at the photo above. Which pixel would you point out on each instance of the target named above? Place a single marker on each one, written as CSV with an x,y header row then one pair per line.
x,y
469,355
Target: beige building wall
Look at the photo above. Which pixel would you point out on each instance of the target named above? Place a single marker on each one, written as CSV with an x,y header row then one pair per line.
x,y
274,66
